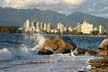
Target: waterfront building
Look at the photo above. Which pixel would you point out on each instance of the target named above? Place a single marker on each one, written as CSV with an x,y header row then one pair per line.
x,y
41,25
70,29
61,27
44,26
95,29
101,29
27,26
58,25
33,26
54,31
48,27
86,27
20,28
78,27
37,27
65,29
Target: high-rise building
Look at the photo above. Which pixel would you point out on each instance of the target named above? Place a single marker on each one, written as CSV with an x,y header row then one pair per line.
x,y
27,25
58,25
37,27
45,27
41,25
33,26
101,29
78,27
86,27
61,27
48,27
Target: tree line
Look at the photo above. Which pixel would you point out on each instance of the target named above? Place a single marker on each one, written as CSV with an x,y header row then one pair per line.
x,y
10,29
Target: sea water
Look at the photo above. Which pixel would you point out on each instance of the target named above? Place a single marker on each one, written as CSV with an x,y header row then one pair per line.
x,y
18,53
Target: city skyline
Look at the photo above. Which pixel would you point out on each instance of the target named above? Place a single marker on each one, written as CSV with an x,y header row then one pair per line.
x,y
82,28
93,7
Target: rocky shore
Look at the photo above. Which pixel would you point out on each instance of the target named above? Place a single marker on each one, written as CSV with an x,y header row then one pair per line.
x,y
62,45
99,65
57,44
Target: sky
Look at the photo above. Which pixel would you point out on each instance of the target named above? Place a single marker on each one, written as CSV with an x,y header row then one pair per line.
x,y
93,7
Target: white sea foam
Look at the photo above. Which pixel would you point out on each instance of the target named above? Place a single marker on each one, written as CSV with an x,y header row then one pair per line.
x,y
54,63
23,50
5,54
48,63
39,38
11,53
72,54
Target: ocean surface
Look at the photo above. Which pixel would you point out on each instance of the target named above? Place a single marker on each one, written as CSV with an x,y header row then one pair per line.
x,y
18,53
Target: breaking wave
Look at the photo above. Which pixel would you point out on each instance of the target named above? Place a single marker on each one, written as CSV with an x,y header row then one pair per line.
x,y
25,55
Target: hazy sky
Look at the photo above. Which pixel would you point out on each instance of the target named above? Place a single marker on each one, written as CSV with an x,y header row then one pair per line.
x,y
94,7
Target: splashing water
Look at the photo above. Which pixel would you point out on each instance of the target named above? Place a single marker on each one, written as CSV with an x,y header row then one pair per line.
x,y
5,54
39,38
72,54
23,51
25,59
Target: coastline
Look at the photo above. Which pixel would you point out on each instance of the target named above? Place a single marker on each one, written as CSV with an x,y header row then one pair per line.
x,y
72,61
57,34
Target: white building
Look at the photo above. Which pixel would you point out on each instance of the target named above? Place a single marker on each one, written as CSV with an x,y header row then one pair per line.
x,y
48,27
78,27
45,27
70,29
33,26
86,27
41,25
61,27
37,27
101,29
58,25
95,29
27,25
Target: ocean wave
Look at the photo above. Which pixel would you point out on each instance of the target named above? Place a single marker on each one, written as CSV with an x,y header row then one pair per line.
x,y
13,53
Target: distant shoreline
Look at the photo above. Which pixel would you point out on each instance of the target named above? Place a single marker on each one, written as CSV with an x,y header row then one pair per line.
x,y
55,34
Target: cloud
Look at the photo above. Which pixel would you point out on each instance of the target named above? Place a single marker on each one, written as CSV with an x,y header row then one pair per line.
x,y
74,2
96,7
19,3
28,3
34,3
